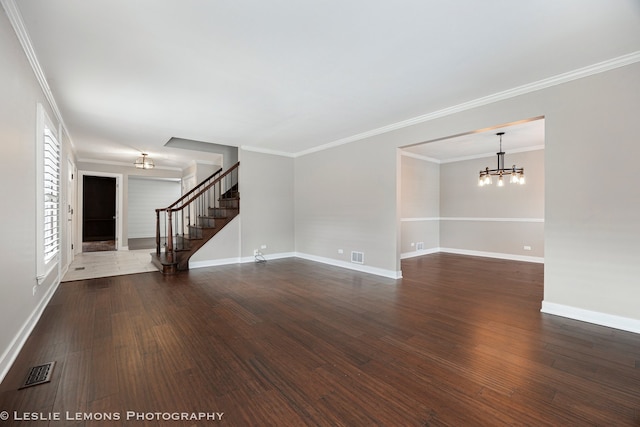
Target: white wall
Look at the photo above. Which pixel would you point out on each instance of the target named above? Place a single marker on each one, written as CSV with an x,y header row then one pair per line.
x,y
345,198
266,203
200,171
266,214
592,195
419,205
492,220
19,94
223,248
145,196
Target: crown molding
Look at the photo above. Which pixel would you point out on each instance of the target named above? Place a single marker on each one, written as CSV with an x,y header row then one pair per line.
x,y
487,155
463,158
267,151
15,18
420,157
589,70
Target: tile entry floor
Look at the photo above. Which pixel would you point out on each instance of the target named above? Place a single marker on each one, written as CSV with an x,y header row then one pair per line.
x,y
91,265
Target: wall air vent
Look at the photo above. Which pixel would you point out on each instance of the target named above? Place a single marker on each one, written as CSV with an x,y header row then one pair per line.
x,y
357,257
420,246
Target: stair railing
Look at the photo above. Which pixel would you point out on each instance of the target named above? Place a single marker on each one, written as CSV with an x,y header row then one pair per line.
x,y
182,216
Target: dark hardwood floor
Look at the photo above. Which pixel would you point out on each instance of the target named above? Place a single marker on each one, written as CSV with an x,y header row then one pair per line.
x,y
460,341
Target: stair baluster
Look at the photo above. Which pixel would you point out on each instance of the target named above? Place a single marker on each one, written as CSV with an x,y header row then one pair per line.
x,y
195,217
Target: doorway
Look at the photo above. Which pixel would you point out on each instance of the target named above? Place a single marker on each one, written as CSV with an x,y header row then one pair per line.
x,y
444,209
99,213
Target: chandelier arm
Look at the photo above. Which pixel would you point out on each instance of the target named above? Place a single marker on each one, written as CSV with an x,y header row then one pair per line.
x,y
517,174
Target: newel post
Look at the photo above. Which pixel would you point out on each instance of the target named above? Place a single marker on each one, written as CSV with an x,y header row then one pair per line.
x,y
169,237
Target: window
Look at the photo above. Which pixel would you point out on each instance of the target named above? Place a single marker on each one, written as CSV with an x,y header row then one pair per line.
x,y
48,204
51,176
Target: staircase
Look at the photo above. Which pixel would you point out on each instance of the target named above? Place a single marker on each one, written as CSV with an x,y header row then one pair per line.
x,y
186,225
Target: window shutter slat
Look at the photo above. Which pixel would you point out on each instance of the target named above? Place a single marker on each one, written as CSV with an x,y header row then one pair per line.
x,y
51,178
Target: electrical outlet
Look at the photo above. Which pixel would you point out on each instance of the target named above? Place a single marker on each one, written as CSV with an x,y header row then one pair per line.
x,y
340,251
35,289
263,247
255,252
413,244
527,248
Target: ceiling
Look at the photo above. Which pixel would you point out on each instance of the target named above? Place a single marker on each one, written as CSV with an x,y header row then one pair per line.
x,y
289,76
518,137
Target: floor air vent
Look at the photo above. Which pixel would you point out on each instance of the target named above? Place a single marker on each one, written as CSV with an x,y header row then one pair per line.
x,y
39,375
357,257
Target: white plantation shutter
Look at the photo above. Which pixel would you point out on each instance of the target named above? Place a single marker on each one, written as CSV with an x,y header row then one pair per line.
x,y
51,185
48,196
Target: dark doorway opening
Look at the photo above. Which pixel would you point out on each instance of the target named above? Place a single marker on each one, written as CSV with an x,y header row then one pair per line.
x,y
98,213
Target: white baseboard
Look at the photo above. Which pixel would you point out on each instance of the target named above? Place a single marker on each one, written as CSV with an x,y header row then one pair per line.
x,y
351,266
512,257
337,263
213,262
237,260
595,317
268,257
10,355
414,254
362,268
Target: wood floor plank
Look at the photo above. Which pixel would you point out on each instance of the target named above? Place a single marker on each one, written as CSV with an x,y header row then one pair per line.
x,y
293,342
73,385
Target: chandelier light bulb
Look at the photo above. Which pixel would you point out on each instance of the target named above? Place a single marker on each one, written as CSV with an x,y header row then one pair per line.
x,y
516,175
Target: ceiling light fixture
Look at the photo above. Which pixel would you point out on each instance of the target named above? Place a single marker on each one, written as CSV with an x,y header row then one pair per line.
x,y
516,175
144,162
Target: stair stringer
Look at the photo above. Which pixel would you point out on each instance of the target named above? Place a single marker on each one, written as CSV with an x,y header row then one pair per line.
x,y
223,248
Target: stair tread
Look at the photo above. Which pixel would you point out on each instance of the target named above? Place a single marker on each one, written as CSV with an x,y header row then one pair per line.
x,y
190,238
162,258
187,245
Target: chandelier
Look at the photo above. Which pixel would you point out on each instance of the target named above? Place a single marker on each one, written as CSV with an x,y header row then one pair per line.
x,y
516,175
144,162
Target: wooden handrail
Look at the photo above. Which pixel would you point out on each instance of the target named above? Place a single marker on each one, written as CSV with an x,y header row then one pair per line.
x,y
200,193
192,190
202,190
